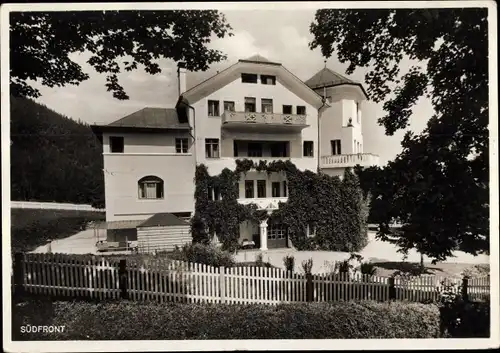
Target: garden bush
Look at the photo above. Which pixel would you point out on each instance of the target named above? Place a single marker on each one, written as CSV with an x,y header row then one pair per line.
x,y
127,320
203,254
289,262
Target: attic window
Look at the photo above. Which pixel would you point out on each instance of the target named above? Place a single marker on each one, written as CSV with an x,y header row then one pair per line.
x,y
268,80
249,78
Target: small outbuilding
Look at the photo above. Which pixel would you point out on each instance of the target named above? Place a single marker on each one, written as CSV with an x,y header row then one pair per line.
x,y
162,232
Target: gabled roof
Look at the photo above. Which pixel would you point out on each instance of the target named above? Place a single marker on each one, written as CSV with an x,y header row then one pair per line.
x,y
329,78
153,118
163,220
258,64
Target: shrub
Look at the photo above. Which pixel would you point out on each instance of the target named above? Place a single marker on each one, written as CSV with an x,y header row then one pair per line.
x,y
127,320
259,260
307,266
289,262
368,268
461,318
203,254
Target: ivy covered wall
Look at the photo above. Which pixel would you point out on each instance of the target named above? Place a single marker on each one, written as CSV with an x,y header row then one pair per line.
x,y
336,208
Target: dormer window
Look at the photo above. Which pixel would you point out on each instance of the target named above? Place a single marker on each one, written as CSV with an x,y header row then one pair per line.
x,y
268,80
249,78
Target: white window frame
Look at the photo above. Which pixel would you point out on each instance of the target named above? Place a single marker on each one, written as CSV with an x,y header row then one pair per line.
x,y
304,149
273,184
265,103
150,181
210,151
213,107
229,103
181,145
251,100
336,147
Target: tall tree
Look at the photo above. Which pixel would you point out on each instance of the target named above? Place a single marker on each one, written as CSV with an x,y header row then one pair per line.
x,y
42,42
438,186
53,158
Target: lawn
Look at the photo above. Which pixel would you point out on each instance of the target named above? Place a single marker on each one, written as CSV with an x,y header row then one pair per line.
x,y
31,228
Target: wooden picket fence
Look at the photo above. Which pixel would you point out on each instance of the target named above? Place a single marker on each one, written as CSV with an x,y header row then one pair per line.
x,y
163,280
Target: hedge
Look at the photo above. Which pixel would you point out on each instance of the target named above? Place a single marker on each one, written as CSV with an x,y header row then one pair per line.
x,y
126,320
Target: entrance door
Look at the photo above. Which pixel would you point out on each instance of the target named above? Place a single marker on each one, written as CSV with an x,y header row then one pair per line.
x,y
276,236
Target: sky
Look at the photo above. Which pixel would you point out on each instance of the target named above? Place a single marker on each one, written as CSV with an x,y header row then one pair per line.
x,y
279,35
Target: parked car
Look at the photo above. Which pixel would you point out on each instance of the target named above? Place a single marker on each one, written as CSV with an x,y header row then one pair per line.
x,y
247,244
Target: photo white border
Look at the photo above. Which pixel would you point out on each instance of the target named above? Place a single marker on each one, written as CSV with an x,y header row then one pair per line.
x,y
386,344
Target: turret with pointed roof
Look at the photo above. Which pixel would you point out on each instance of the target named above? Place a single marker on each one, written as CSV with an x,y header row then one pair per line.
x,y
328,78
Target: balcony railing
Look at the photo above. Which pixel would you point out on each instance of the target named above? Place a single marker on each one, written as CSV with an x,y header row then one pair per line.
x,y
349,160
268,203
267,120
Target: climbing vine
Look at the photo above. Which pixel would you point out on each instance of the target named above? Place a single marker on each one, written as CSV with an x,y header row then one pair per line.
x,y
335,208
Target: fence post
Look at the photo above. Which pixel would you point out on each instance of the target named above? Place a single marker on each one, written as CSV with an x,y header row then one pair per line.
x,y
465,286
18,270
309,288
392,288
122,274
222,284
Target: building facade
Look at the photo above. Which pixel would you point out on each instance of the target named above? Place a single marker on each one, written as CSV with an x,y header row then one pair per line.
x,y
255,109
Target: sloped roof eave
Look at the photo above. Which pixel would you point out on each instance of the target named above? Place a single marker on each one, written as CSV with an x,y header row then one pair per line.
x,y
190,94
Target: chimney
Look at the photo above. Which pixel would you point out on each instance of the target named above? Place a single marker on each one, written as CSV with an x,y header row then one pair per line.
x,y
181,76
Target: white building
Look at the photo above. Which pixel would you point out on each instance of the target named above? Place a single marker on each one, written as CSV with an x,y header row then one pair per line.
x,y
254,109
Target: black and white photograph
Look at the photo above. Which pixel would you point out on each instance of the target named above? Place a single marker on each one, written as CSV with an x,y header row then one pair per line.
x,y
254,175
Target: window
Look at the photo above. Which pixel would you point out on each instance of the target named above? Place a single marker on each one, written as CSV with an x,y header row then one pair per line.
x,y
212,148
250,105
301,110
275,189
261,188
235,148
249,78
355,147
287,109
213,108
267,105
116,144
268,80
228,106
150,187
308,148
181,145
336,147
358,112
254,149
279,149
285,190
311,230
214,193
276,231
249,190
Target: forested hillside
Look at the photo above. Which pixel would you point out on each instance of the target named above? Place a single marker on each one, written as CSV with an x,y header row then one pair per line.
x,y
53,158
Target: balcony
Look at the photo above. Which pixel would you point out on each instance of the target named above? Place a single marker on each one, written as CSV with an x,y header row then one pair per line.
x,y
349,160
268,203
263,122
